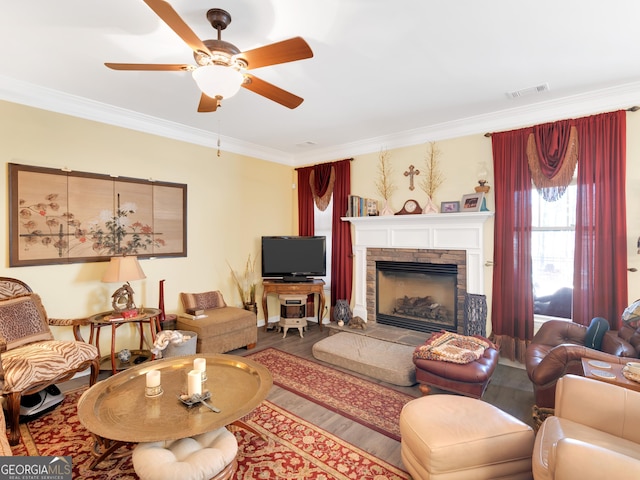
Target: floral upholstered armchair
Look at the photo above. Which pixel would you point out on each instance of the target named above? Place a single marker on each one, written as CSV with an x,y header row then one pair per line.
x,y
29,355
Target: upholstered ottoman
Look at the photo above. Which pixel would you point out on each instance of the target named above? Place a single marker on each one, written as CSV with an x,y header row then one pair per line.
x,y
211,455
222,328
451,437
471,378
386,361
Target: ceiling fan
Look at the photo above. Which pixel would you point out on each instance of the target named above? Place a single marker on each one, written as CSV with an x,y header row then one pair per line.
x,y
221,67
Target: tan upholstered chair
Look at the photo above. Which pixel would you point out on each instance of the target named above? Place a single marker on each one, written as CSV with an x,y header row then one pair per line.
x,y
594,434
30,357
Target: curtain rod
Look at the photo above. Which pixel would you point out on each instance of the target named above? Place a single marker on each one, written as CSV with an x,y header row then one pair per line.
x,y
307,166
635,108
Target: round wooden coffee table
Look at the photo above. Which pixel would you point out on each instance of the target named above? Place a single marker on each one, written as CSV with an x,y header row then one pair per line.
x,y
116,410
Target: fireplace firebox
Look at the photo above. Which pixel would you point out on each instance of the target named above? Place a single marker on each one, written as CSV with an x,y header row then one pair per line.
x,y
417,289
419,296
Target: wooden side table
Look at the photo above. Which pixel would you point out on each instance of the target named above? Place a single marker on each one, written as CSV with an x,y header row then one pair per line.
x,y
589,366
280,287
150,316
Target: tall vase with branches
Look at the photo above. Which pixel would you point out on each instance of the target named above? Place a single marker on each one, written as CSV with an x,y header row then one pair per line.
x,y
433,178
384,184
246,283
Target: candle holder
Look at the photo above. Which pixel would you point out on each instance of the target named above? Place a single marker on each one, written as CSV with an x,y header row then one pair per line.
x,y
153,391
201,365
153,386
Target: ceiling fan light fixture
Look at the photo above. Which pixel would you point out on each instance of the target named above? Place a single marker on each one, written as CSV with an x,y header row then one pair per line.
x,y
218,80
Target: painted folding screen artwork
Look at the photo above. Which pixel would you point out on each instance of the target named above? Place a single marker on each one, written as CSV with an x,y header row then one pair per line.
x,y
61,216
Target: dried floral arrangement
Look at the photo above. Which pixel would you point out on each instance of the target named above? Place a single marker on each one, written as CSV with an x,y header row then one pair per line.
x,y
246,281
384,184
434,177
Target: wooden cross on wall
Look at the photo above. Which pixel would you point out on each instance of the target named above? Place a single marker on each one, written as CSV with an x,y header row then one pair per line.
x,y
410,173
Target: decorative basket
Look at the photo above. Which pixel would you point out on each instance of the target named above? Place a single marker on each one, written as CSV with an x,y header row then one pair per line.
x,y
187,347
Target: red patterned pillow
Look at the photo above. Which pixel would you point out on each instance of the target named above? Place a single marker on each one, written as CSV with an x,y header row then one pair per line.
x,y
203,301
23,320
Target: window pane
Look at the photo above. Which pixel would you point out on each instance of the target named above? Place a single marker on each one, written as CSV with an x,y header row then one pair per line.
x,y
552,245
322,222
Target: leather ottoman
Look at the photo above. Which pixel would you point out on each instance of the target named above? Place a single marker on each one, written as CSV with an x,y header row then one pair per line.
x,y
470,379
451,437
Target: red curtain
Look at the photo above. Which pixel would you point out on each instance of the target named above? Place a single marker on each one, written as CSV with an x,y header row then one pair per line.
x,y
600,273
512,305
600,269
342,257
306,225
342,254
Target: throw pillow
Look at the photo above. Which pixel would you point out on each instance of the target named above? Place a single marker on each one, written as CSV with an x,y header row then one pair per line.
x,y
203,301
598,327
23,320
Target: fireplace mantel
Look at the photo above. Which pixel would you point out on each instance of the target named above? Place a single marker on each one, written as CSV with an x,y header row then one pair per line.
x,y
440,231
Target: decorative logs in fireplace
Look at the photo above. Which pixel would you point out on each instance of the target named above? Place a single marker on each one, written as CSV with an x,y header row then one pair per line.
x,y
421,307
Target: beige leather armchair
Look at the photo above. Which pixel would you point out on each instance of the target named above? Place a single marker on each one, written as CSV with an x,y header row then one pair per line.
x,y
595,433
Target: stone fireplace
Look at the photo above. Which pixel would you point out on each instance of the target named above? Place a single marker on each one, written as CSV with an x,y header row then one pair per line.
x,y
418,289
447,242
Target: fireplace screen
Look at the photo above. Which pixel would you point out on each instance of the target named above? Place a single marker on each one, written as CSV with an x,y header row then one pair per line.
x,y
417,296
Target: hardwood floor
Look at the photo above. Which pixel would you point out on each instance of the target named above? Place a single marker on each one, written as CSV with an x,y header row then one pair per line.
x,y
510,390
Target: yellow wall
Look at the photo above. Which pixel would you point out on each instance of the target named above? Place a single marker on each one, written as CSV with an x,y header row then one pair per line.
x,y
232,201
459,160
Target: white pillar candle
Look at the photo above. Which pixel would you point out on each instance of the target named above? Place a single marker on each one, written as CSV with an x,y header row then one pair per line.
x,y
194,383
153,378
200,364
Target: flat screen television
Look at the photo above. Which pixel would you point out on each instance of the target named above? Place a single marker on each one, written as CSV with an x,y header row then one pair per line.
x,y
294,259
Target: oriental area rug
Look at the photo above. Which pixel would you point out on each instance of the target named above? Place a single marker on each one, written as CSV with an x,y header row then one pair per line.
x,y
370,404
289,448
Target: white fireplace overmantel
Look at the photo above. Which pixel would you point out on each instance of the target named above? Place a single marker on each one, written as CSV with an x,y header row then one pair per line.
x,y
438,231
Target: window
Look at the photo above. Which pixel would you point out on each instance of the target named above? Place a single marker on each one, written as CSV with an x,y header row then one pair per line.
x,y
552,252
322,222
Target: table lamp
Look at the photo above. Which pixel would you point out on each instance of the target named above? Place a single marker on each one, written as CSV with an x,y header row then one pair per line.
x,y
123,269
631,314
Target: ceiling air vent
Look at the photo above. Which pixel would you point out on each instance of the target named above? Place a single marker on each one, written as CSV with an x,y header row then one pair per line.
x,y
529,91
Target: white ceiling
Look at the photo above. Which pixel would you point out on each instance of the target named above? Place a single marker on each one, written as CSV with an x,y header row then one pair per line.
x,y
384,74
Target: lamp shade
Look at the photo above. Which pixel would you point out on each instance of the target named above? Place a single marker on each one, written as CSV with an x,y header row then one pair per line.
x,y
123,269
631,313
218,80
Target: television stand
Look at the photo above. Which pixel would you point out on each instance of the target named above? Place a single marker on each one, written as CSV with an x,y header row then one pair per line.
x,y
280,287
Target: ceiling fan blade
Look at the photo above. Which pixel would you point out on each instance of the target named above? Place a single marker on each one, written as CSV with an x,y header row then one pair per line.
x,y
169,16
271,92
171,67
280,52
207,104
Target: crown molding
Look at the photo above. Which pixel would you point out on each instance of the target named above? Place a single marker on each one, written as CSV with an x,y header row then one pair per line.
x,y
24,93
590,103
607,99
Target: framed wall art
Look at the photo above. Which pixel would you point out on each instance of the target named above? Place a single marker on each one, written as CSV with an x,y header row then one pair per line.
x,y
472,202
449,207
58,216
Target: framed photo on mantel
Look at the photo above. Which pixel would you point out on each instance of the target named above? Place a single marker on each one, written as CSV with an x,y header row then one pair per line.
x,y
472,202
61,216
449,207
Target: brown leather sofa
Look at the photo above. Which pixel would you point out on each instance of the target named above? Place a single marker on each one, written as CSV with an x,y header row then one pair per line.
x,y
558,348
594,433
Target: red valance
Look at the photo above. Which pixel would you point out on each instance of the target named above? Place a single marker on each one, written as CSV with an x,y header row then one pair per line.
x,y
322,180
552,153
